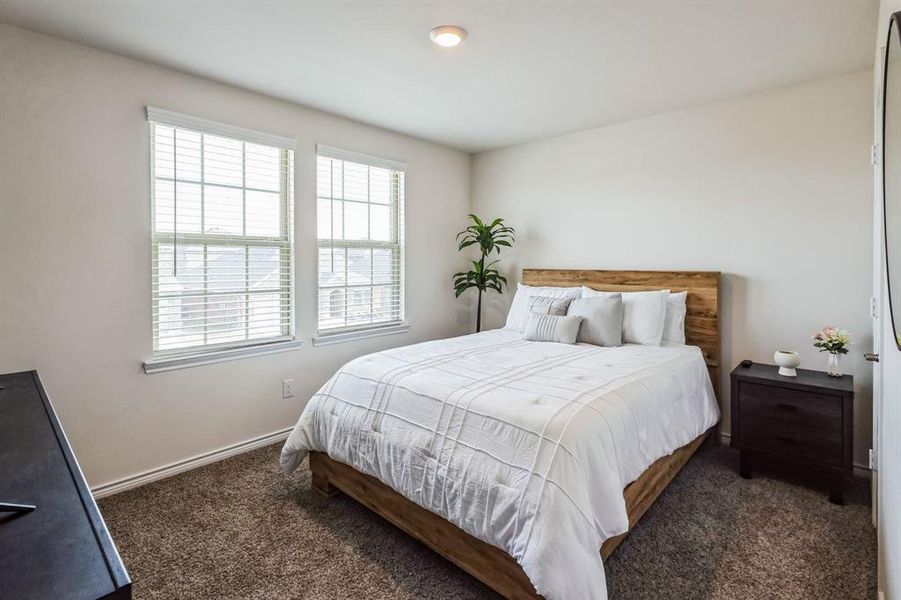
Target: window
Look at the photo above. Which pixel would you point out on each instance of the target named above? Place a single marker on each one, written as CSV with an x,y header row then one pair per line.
x,y
360,237
222,229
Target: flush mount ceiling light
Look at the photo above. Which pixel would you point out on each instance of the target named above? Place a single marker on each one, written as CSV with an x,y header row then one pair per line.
x,y
447,36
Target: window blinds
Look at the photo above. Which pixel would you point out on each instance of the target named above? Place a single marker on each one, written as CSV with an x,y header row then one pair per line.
x,y
360,236
222,226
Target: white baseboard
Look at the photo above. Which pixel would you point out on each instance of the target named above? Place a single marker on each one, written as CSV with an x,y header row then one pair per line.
x,y
860,470
114,487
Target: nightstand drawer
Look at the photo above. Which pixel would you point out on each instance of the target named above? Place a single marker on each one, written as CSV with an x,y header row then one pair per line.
x,y
809,409
794,439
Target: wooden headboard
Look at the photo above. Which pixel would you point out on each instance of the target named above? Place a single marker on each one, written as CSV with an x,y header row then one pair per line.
x,y
702,325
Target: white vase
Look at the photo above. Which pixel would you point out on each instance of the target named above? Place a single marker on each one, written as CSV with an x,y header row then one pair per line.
x,y
788,361
833,364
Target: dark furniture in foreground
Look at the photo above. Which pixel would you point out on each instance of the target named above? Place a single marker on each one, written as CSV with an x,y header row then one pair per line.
x,y
805,422
62,548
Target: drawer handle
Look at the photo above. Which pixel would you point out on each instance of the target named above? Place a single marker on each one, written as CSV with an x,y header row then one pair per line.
x,y
787,407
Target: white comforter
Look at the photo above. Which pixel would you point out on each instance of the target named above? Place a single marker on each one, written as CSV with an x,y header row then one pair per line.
x,y
525,445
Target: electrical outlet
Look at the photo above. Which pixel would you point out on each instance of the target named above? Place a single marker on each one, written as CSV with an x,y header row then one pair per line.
x,y
287,388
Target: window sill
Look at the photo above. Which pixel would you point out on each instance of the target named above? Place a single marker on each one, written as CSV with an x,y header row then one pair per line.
x,y
339,337
160,365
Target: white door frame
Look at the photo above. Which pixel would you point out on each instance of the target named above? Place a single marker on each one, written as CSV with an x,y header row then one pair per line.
x,y
877,309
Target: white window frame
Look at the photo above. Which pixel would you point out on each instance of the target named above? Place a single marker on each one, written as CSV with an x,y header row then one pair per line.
x,y
351,333
164,360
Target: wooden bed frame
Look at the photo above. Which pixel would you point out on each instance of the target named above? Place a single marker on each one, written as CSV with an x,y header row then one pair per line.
x,y
490,564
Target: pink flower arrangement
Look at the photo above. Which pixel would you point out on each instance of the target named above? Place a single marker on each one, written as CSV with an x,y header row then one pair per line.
x,y
831,339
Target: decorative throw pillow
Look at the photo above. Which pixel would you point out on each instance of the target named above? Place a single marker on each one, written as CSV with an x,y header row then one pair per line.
x,y
545,305
674,325
643,315
551,328
518,315
602,318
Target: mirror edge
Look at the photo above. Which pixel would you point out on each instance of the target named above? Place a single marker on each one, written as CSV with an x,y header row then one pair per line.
x,y
894,24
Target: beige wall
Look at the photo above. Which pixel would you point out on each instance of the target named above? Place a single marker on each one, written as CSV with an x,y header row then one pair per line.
x,y
773,189
75,253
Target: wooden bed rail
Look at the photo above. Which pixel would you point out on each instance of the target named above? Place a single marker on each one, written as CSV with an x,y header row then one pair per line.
x,y
489,564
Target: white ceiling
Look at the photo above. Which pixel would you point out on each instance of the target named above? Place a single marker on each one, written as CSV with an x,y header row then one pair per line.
x,y
528,69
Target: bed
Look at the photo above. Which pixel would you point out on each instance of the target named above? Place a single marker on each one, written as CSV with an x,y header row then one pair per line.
x,y
524,463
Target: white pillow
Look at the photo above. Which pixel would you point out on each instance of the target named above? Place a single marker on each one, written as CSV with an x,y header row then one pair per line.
x,y
674,322
643,315
518,315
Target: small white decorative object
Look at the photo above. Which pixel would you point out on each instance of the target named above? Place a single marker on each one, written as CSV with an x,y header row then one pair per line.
x,y
788,361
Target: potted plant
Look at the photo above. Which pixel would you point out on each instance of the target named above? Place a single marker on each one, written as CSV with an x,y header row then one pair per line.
x,y
834,341
483,276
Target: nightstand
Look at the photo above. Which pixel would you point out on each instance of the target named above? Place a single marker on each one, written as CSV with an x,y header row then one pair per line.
x,y
805,421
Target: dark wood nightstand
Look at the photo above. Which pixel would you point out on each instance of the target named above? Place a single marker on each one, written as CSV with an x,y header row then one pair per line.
x,y
805,421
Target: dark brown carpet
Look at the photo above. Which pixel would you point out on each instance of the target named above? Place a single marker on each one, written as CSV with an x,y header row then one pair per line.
x,y
239,529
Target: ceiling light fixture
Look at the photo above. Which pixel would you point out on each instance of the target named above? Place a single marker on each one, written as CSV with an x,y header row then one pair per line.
x,y
447,36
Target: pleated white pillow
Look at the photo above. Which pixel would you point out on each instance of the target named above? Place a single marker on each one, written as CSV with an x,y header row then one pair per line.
x,y
551,328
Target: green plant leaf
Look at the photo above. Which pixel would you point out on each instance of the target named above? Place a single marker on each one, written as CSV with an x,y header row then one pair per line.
x,y
490,237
